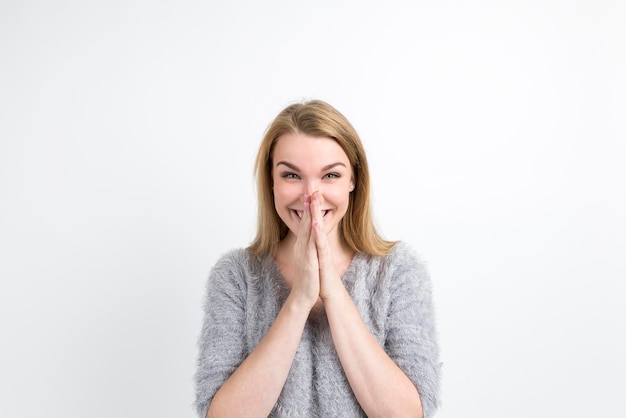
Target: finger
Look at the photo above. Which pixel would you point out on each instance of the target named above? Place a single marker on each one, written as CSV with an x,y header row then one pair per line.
x,y
317,232
312,253
311,247
304,230
321,245
316,209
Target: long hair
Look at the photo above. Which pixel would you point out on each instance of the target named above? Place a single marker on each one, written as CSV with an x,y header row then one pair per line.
x,y
316,118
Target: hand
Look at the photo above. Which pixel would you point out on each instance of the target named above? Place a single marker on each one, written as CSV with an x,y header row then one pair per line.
x,y
307,279
330,280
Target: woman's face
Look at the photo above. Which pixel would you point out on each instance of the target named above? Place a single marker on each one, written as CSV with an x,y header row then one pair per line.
x,y
304,164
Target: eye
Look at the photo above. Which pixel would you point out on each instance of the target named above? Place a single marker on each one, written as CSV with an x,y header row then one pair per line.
x,y
289,175
332,176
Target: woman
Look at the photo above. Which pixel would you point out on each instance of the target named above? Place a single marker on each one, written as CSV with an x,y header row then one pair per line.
x,y
319,316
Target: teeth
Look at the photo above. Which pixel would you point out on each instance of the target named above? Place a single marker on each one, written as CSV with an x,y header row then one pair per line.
x,y
300,213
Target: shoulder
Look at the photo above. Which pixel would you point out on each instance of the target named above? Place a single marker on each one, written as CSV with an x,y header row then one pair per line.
x,y
238,259
234,268
403,253
403,267
403,258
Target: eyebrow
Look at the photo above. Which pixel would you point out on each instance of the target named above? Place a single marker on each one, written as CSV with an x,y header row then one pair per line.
x,y
293,167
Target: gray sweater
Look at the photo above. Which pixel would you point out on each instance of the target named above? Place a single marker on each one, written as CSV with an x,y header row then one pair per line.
x,y
392,294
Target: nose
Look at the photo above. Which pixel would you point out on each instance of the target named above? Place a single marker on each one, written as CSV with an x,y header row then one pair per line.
x,y
311,186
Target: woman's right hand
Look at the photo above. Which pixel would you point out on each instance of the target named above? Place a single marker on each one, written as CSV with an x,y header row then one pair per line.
x,y
306,285
268,364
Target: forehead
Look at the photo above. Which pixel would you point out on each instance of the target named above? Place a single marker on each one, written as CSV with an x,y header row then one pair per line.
x,y
308,151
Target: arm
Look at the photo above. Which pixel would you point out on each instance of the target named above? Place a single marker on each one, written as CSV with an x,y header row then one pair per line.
x,y
253,386
385,380
380,386
411,339
256,384
410,343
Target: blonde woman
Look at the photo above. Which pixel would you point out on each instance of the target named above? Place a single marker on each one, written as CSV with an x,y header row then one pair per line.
x,y
319,316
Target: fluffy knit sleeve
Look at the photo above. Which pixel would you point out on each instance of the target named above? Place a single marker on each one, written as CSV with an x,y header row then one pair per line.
x,y
411,339
221,343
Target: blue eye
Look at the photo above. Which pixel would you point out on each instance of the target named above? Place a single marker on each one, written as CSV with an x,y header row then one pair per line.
x,y
288,175
332,176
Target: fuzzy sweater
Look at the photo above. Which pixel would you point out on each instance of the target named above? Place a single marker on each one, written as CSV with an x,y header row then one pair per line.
x,y
392,294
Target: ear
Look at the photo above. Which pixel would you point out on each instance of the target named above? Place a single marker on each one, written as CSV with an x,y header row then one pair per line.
x,y
351,184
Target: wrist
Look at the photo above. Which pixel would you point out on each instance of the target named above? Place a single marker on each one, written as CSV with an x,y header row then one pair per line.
x,y
337,294
298,303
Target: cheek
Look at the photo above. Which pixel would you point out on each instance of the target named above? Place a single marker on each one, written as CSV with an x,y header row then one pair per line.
x,y
284,194
338,196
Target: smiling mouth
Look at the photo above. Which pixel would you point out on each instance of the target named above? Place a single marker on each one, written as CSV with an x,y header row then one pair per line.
x,y
299,213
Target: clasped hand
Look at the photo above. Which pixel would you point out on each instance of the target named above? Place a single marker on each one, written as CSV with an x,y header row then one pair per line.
x,y
316,275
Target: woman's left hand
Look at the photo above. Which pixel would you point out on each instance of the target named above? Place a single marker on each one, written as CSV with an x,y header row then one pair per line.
x,y
330,280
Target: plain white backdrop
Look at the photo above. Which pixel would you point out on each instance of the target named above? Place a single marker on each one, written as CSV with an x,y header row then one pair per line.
x,y
496,136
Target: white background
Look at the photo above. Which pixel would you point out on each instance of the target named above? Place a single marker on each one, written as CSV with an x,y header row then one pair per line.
x,y
496,136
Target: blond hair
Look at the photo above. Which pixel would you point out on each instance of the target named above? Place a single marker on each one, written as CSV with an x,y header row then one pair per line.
x,y
316,118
